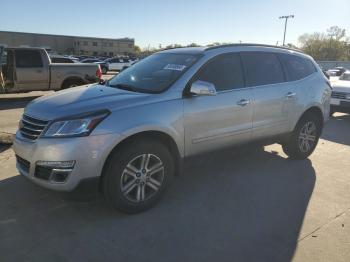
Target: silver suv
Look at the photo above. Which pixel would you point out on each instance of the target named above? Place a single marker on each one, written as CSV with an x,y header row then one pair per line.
x,y
131,134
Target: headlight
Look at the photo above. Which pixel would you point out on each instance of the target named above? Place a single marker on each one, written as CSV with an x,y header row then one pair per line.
x,y
81,125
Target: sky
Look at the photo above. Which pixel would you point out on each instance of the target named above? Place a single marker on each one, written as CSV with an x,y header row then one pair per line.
x,y
162,22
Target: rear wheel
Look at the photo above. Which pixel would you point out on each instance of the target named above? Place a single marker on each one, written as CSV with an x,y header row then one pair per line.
x,y
137,175
304,138
69,83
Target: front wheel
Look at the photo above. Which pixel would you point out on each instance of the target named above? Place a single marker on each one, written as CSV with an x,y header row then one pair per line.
x,y
137,175
304,138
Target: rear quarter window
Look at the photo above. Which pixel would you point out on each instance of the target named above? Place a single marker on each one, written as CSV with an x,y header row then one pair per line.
x,y
297,67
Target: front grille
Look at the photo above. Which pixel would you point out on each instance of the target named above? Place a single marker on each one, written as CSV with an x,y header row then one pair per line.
x,y
23,164
31,128
339,95
43,172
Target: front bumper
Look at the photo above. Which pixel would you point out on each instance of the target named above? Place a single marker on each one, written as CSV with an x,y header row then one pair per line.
x,y
89,154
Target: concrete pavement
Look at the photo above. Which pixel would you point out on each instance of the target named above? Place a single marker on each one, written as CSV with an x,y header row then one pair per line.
x,y
233,205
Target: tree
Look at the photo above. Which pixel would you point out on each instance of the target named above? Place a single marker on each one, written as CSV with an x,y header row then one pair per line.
x,y
137,50
330,46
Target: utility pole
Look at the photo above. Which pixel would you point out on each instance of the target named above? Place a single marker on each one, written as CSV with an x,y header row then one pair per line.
x,y
286,17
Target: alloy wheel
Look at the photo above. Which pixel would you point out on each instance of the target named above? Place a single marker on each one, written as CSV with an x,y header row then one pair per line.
x,y
142,178
307,137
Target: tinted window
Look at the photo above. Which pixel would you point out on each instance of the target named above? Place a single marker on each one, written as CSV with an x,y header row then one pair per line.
x,y
297,67
28,59
262,68
155,73
61,60
225,72
345,77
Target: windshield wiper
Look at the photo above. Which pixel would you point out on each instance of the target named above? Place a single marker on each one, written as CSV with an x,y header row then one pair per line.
x,y
124,87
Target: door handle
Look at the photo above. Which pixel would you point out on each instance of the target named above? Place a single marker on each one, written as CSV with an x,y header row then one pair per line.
x,y
243,102
290,95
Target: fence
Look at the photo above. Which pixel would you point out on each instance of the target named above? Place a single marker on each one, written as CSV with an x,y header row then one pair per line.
x,y
331,64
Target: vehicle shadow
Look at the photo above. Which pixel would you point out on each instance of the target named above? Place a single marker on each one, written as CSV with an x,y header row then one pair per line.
x,y
3,148
227,206
15,102
338,129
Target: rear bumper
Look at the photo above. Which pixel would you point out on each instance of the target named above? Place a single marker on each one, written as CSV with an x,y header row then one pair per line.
x,y
342,109
340,105
92,80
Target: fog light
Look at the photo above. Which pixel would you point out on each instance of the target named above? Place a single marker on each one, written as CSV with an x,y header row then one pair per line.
x,y
55,171
57,164
59,176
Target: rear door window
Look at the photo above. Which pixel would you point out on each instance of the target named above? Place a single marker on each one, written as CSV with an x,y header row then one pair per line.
x,y
297,67
224,71
28,59
262,68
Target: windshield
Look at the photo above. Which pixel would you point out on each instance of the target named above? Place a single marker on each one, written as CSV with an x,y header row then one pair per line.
x,y
345,76
154,74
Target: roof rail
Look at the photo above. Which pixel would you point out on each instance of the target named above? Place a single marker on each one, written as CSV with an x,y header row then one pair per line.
x,y
252,44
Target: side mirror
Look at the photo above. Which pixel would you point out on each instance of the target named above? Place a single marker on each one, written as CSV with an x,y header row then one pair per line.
x,y
202,88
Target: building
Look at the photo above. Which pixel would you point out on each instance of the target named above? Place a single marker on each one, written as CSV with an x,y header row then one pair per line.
x,y
63,44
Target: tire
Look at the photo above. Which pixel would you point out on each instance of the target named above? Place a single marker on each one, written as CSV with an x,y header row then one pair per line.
x,y
304,138
130,190
72,83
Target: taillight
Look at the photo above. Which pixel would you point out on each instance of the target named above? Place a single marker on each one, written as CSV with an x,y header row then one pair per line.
x,y
99,72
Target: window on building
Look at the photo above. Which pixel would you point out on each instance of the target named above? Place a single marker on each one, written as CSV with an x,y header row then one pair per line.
x,y
130,45
94,53
110,44
104,44
85,43
28,59
78,43
94,43
111,54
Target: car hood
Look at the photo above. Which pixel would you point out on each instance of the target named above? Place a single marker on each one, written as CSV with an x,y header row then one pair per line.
x,y
341,86
84,99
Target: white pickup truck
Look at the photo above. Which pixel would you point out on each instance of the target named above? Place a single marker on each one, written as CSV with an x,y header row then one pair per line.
x,y
30,69
118,64
340,101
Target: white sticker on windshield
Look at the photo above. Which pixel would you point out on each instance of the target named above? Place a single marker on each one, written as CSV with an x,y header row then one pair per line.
x,y
175,67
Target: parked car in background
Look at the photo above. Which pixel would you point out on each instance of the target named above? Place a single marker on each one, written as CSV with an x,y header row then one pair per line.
x,y
130,136
30,69
90,60
337,71
340,101
62,59
118,64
